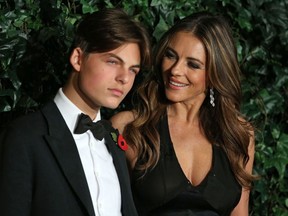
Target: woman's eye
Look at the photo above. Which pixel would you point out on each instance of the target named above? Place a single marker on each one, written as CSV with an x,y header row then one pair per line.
x,y
170,55
193,65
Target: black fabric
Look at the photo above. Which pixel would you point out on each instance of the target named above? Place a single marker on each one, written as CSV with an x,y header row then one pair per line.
x,y
85,123
165,190
41,173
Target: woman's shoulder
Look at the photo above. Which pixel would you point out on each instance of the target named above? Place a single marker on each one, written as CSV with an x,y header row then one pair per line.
x,y
121,119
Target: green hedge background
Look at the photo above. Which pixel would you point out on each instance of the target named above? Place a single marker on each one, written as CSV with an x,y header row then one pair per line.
x,y
35,37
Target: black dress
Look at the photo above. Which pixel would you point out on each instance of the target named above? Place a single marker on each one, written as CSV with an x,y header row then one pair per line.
x,y
165,190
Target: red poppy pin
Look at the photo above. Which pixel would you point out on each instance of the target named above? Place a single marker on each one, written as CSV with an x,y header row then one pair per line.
x,y
119,140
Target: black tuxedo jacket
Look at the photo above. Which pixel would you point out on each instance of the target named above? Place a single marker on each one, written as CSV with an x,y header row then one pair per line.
x,y
41,172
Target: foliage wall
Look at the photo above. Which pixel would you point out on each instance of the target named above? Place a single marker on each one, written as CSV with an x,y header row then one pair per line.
x,y
35,37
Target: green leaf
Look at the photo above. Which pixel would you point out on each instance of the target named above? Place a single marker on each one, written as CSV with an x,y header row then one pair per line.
x,y
114,136
258,52
286,204
244,19
272,100
275,133
160,29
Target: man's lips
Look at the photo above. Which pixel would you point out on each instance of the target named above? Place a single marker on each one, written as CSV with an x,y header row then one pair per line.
x,y
116,92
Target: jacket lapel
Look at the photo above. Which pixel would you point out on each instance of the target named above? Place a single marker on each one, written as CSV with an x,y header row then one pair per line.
x,y
119,160
63,146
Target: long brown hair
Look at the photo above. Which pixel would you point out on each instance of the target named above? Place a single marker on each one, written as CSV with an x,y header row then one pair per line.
x,y
223,124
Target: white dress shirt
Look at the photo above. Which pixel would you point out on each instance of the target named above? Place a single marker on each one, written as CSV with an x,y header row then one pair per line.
x,y
97,162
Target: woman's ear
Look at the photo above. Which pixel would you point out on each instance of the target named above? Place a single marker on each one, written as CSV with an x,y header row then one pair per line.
x,y
76,59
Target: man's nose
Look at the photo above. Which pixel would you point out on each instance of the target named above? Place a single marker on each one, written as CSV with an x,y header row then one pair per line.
x,y
123,76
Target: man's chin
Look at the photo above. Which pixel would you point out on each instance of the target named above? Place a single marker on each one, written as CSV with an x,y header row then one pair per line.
x,y
111,105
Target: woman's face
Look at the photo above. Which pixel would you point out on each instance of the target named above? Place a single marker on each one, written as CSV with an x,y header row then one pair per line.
x,y
183,69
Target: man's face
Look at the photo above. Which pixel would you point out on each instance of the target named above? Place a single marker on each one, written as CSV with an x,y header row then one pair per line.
x,y
104,79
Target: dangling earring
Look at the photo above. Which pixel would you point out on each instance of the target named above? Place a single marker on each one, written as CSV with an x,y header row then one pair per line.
x,y
212,99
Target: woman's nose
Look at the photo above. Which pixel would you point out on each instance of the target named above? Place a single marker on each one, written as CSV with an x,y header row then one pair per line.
x,y
177,68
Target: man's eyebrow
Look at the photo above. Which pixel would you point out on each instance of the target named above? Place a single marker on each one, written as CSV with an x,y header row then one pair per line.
x,y
121,60
136,66
115,56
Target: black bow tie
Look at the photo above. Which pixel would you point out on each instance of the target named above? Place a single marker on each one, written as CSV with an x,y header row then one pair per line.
x,y
85,123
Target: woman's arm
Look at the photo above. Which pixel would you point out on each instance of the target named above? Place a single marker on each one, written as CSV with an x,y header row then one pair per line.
x,y
119,121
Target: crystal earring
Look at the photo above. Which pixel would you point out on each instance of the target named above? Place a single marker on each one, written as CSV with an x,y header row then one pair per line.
x,y
212,99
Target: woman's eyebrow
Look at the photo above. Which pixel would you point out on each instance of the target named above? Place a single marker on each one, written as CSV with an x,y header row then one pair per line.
x,y
195,59
188,58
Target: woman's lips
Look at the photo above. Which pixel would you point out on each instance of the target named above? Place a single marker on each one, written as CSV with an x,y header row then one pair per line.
x,y
177,84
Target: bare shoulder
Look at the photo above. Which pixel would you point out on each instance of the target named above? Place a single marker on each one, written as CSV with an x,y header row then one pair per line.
x,y
121,119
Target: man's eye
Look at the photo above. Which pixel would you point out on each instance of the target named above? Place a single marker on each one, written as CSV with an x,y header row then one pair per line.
x,y
112,61
134,70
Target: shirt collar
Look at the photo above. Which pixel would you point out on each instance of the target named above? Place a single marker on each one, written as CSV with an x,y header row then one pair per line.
x,y
69,110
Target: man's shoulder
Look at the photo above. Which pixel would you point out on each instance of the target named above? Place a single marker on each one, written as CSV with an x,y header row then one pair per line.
x,y
32,121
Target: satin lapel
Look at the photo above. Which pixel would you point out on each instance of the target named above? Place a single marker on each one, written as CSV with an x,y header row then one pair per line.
x,y
118,156
63,146
119,161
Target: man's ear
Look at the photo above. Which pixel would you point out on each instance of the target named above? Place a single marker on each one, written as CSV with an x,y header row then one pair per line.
x,y
76,59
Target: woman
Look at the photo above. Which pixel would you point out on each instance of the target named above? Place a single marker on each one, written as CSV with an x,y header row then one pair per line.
x,y
191,149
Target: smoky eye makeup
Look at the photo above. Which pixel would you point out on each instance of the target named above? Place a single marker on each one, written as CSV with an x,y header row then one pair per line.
x,y
170,54
194,65
191,62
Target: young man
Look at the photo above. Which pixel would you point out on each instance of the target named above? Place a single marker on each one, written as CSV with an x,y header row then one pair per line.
x,y
47,166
